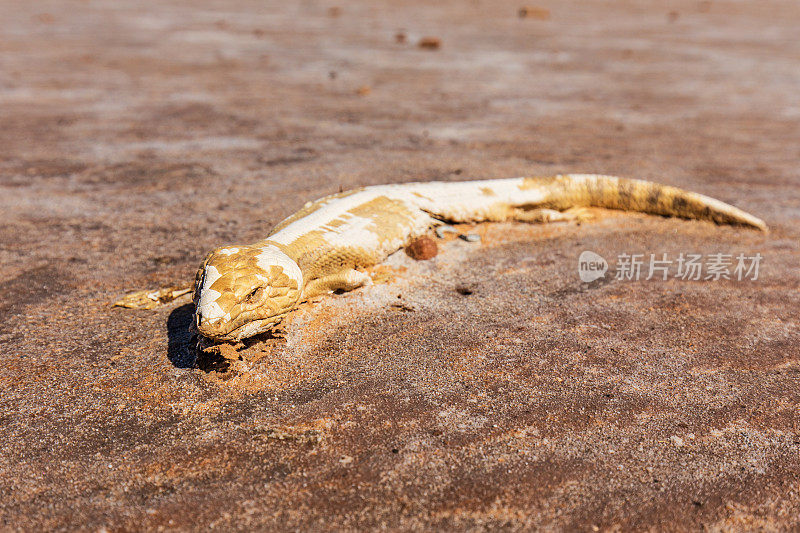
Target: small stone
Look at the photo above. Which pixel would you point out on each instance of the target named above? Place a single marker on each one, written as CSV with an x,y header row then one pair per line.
x,y
441,230
533,12
422,248
471,237
430,43
677,441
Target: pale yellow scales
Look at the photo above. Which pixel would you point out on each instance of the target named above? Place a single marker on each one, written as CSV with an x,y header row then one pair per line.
x,y
241,291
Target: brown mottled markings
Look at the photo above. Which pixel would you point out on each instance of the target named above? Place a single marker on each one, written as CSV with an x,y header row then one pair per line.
x,y
563,192
315,206
486,191
279,278
244,264
309,251
420,195
387,219
679,204
247,291
337,223
537,182
654,196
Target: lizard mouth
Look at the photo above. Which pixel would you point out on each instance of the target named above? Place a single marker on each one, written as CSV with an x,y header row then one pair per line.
x,y
248,329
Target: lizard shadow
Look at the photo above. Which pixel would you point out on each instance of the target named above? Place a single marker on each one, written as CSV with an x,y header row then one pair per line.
x,y
180,347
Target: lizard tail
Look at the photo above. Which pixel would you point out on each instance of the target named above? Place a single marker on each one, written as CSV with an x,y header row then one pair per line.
x,y
591,190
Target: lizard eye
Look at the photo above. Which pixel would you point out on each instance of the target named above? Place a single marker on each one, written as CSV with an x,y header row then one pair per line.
x,y
254,295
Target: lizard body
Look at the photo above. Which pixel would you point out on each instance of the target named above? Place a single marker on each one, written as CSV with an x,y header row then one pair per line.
x,y
241,291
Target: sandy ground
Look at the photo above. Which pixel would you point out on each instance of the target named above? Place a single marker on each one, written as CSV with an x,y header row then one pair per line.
x,y
486,388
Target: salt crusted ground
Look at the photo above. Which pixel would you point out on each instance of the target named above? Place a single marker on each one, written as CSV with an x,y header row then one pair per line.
x,y
136,136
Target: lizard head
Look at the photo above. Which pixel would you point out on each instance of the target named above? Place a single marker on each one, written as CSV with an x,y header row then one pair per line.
x,y
241,291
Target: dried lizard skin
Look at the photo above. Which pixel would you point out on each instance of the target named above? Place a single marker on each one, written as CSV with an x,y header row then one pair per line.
x,y
241,291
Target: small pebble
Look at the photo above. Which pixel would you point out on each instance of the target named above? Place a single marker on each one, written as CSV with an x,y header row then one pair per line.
x,y
441,230
422,248
533,12
471,237
430,43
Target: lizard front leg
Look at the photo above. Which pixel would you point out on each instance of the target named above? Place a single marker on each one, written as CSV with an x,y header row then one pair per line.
x,y
346,280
